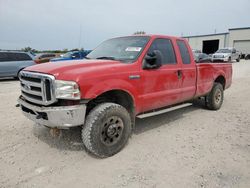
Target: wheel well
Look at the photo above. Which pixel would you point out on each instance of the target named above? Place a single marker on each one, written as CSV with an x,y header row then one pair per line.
x,y
221,80
19,71
116,96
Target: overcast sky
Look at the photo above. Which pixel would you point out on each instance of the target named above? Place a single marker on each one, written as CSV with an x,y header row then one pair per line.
x,y
60,24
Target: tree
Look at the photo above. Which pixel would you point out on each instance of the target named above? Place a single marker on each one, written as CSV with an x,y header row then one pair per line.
x,y
139,33
29,49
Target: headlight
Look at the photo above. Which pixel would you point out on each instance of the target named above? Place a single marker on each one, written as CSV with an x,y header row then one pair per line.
x,y
67,90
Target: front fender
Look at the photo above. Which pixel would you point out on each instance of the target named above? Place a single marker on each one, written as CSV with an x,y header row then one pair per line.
x,y
103,86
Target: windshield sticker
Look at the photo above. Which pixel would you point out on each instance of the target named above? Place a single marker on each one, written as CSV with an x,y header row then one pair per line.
x,y
133,49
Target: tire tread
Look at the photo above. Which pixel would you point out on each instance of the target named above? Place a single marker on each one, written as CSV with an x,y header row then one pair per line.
x,y
91,121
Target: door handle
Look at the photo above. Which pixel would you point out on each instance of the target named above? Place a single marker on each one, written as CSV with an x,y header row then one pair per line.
x,y
179,74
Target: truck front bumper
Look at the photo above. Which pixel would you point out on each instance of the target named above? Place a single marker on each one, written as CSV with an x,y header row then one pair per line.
x,y
62,117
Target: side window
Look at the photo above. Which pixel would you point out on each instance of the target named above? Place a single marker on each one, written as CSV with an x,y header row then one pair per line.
x,y
51,55
11,56
184,52
22,57
76,55
166,48
3,57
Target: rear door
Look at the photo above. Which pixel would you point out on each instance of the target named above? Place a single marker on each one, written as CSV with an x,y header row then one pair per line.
x,y
14,62
161,87
4,64
188,70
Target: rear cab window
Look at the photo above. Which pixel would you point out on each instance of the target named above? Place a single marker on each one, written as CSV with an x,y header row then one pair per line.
x,y
185,56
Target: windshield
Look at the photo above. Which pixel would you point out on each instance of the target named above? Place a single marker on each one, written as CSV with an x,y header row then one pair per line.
x,y
69,54
123,48
223,51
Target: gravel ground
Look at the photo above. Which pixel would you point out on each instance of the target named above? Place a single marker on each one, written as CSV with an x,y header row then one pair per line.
x,y
189,147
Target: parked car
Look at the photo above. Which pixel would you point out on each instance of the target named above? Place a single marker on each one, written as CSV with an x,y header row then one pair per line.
x,y
247,56
196,52
12,62
226,54
74,55
121,79
201,57
44,58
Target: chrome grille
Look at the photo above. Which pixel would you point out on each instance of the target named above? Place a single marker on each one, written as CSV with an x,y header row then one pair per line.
x,y
218,56
37,88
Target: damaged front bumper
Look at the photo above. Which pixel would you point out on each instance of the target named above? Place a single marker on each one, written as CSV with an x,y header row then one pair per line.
x,y
62,117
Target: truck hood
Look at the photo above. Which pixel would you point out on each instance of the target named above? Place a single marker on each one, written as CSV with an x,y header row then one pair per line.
x,y
72,70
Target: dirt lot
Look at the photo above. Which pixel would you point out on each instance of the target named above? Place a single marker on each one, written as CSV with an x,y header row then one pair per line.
x,y
189,147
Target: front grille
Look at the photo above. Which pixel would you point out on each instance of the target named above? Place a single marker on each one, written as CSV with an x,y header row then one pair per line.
x,y
218,56
37,88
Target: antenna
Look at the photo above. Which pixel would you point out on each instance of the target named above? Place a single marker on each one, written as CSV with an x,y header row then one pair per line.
x,y
80,36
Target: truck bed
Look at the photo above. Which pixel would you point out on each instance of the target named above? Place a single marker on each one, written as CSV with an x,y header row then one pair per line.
x,y
206,71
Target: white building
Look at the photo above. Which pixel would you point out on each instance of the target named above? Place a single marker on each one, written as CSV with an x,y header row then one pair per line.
x,y
236,37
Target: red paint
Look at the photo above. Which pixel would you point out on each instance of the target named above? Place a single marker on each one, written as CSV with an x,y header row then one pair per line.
x,y
155,88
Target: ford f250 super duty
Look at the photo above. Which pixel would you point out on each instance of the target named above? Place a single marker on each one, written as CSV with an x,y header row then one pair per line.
x,y
119,80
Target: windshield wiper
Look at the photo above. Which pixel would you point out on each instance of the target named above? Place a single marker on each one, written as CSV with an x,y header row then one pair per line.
x,y
106,57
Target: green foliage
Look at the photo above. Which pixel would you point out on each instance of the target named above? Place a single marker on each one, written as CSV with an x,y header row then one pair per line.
x,y
139,33
29,49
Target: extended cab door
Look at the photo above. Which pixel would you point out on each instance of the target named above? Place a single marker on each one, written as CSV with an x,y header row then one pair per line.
x,y
188,70
161,86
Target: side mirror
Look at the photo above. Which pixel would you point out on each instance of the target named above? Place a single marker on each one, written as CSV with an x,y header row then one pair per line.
x,y
153,60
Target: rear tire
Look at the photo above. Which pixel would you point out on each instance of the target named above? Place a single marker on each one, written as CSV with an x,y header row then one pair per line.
x,y
215,97
106,130
238,60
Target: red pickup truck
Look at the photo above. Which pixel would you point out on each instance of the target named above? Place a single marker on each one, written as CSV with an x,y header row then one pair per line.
x,y
119,80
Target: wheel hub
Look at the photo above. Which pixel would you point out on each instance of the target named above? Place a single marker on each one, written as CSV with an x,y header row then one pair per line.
x,y
218,97
112,130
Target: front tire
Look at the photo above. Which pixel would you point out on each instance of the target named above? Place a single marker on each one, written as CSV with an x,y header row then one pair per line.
x,y
238,60
215,97
106,130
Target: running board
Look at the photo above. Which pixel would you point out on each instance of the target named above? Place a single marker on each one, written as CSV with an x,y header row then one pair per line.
x,y
149,114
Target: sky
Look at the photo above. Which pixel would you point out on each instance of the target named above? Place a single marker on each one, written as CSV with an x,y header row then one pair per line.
x,y
68,24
